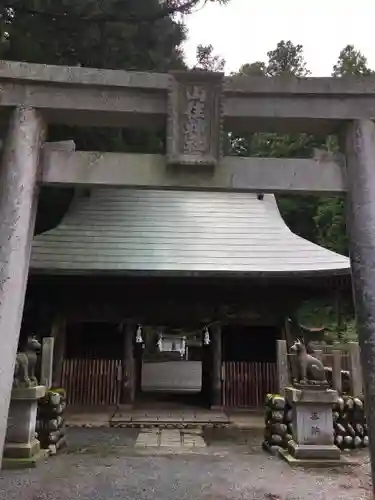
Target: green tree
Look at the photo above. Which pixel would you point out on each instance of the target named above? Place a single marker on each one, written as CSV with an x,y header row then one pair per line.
x,y
330,224
351,62
257,68
286,60
97,12
207,60
63,33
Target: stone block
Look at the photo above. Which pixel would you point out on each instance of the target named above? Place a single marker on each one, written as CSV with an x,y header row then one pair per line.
x,y
20,441
310,395
300,451
314,462
24,463
21,450
312,423
28,393
21,421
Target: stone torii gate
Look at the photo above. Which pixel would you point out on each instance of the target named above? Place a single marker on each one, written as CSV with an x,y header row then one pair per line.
x,y
197,107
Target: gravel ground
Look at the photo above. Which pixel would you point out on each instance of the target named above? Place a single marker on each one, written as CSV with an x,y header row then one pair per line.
x,y
103,465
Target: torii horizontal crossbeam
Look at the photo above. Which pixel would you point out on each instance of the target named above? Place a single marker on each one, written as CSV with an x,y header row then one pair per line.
x,y
69,168
96,97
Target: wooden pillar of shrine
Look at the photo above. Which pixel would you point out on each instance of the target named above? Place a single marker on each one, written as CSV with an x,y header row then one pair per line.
x,y
59,334
206,372
216,352
128,379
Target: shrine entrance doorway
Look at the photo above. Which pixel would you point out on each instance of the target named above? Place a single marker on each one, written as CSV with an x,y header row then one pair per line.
x,y
170,370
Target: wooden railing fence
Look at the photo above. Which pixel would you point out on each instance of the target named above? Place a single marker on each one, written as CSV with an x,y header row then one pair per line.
x,y
95,382
91,381
245,384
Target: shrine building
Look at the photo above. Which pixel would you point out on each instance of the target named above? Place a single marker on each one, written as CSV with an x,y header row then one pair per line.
x,y
124,272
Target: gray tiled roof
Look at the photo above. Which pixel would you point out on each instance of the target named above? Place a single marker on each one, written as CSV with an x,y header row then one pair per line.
x,y
118,230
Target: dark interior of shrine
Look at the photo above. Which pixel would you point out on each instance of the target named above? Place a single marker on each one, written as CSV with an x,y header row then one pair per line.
x,y
250,343
96,310
105,341
239,343
94,341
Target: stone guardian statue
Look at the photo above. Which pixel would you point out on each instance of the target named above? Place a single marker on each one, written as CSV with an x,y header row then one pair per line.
x,y
310,369
26,360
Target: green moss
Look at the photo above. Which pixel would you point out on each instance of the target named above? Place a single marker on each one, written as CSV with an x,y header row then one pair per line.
x,y
24,463
59,390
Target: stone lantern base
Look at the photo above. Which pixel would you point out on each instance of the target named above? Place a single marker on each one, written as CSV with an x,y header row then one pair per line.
x,y
22,448
313,435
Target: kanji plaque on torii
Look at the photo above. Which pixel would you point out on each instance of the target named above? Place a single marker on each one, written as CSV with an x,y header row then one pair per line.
x,y
194,118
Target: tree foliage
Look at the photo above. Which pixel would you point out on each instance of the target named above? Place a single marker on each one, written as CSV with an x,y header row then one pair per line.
x,y
286,60
207,60
97,12
257,68
351,62
63,38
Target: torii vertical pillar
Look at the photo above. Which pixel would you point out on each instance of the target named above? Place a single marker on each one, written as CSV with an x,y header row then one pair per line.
x,y
360,169
18,204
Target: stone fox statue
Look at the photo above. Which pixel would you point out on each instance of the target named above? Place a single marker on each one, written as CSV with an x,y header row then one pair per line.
x,y
24,369
310,369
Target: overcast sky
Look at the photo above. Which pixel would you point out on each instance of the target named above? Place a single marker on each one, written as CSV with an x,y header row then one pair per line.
x,y
245,30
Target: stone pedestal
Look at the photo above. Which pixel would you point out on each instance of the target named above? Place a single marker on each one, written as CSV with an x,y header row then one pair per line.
x,y
313,435
21,446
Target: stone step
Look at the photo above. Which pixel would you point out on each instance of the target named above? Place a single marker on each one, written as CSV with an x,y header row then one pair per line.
x,y
169,425
169,419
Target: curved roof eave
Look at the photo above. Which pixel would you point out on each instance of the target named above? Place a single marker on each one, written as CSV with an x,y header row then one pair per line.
x,y
151,232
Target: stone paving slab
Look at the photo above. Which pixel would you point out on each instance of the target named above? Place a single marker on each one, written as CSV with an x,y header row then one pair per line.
x,y
147,439
193,441
169,439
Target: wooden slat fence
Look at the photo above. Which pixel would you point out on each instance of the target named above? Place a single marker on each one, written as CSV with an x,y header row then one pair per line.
x,y
328,360
91,381
246,384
